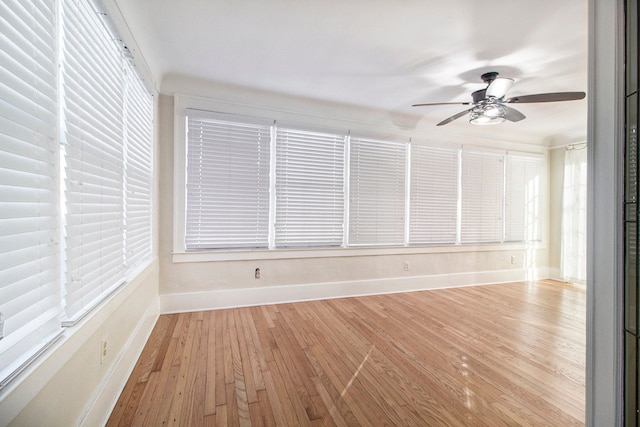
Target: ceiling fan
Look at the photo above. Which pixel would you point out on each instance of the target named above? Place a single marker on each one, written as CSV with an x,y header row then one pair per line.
x,y
490,106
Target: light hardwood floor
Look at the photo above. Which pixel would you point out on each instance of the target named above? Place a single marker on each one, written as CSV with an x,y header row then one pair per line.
x,y
496,355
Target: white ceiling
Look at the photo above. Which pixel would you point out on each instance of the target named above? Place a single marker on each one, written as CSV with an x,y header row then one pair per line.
x,y
378,54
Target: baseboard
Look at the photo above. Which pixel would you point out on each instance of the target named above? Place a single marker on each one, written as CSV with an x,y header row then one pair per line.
x,y
230,298
555,273
109,391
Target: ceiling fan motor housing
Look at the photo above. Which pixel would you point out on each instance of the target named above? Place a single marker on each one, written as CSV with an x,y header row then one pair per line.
x,y
489,77
479,95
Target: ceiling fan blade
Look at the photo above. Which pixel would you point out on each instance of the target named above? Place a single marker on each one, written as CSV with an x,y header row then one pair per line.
x,y
442,103
546,97
499,87
454,117
512,114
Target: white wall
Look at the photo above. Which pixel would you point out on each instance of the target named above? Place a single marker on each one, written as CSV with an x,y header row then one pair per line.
x,y
318,274
70,385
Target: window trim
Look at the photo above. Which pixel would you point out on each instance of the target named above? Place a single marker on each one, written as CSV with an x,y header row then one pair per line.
x,y
223,255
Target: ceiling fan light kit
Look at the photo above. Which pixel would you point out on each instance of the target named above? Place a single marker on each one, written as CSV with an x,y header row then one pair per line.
x,y
489,104
488,116
488,112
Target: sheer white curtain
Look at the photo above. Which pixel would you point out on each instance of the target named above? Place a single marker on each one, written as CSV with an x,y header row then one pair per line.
x,y
574,216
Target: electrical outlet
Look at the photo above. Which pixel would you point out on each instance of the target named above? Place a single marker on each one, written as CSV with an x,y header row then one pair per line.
x,y
513,259
104,349
407,266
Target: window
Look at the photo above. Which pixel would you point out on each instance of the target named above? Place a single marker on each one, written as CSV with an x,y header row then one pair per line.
x,y
106,142
30,264
523,186
227,182
264,184
377,192
75,172
434,195
138,150
309,188
236,200
482,196
93,93
574,215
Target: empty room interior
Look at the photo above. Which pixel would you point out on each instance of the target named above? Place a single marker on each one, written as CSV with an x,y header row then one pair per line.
x,y
302,213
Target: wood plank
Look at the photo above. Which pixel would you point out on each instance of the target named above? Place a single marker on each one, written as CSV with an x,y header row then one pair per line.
x,y
239,378
246,367
185,344
255,352
496,355
287,386
161,406
167,377
164,345
146,401
262,327
278,399
260,411
210,388
232,413
221,381
298,369
193,412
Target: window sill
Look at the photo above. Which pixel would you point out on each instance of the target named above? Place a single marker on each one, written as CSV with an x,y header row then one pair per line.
x,y
264,254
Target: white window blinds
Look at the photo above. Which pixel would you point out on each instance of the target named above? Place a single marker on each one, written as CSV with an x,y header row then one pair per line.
x,y
482,197
309,188
377,192
523,187
227,203
434,195
139,170
94,155
75,150
107,139
29,261
255,183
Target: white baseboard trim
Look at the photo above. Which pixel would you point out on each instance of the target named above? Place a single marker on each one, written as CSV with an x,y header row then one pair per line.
x,y
107,394
555,273
245,297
